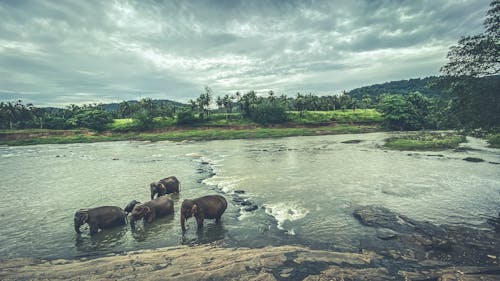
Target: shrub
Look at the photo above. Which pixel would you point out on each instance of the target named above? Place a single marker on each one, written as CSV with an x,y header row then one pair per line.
x,y
186,117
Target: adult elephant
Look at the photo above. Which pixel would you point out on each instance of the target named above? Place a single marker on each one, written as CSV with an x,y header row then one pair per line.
x,y
151,210
206,207
165,186
99,218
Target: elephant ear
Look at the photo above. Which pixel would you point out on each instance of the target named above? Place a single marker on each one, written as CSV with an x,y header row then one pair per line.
x,y
83,215
194,210
147,210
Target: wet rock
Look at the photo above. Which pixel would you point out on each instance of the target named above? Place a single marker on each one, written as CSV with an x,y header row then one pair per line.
x,y
473,159
352,141
494,163
251,208
239,191
419,240
386,234
245,203
435,155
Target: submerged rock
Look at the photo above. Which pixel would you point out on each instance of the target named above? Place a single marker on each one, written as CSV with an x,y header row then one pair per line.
x,y
251,208
352,141
473,159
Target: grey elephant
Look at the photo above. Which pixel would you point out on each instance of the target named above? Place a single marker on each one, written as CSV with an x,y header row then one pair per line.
x,y
206,207
149,211
165,186
99,218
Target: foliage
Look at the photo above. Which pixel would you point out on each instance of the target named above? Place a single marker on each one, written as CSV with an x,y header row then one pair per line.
x,y
267,112
493,140
144,118
95,119
186,117
425,141
477,55
405,112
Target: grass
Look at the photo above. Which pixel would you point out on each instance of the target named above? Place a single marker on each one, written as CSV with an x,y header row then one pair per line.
x,y
196,134
339,116
425,141
493,140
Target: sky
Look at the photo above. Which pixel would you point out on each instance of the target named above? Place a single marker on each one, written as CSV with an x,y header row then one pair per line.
x,y
56,53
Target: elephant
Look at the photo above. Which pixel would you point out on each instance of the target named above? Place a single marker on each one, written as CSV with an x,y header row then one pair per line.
x,y
99,218
206,207
151,210
130,206
165,186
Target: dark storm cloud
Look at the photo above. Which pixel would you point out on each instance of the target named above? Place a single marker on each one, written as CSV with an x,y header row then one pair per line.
x,y
60,52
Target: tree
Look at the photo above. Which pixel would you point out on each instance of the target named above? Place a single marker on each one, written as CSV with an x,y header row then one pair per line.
x,y
478,55
204,101
476,102
405,112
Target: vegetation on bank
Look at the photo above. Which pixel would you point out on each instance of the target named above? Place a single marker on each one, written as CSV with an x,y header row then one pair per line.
x,y
195,134
493,140
425,141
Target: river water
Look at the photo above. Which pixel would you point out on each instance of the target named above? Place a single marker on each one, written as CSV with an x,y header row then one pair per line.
x,y
305,189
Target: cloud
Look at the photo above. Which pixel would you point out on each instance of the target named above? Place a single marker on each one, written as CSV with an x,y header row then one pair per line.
x,y
61,52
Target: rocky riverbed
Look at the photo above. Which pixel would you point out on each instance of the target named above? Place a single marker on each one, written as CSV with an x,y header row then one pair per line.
x,y
395,248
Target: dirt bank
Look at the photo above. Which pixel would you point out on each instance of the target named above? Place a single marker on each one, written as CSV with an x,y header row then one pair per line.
x,y
210,262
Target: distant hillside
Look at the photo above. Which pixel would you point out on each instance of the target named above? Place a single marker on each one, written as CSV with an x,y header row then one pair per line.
x,y
422,85
403,87
116,106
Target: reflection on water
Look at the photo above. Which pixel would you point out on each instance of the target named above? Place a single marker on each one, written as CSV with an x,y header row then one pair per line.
x,y
304,188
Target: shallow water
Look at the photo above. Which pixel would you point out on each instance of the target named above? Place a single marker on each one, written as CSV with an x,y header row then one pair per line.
x,y
305,188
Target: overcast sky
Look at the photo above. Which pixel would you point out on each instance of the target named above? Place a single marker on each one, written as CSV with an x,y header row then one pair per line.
x,y
63,52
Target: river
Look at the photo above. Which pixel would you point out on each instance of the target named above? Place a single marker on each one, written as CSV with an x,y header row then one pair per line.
x,y
305,189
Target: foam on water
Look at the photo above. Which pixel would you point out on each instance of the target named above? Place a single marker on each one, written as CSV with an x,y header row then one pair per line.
x,y
283,212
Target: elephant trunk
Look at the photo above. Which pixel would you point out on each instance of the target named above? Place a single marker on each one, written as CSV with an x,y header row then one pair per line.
x,y
77,226
183,221
153,190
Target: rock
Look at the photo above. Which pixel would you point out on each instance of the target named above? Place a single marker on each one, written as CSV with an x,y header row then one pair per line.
x,y
245,203
251,208
239,191
209,262
352,141
386,234
473,159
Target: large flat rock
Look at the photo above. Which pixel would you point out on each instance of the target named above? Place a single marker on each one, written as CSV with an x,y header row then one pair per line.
x,y
209,262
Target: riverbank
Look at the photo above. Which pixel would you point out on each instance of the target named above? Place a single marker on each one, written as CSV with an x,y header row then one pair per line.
x,y
210,262
33,137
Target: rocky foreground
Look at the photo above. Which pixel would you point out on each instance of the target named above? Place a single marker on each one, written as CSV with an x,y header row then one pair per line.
x,y
395,248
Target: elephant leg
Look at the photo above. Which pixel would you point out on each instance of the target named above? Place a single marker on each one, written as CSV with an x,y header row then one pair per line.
x,y
93,229
150,218
217,219
199,220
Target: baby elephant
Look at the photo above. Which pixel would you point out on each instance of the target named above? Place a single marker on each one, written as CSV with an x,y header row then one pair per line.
x,y
99,218
165,186
151,210
206,207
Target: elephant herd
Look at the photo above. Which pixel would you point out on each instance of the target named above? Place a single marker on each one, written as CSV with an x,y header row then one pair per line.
x,y
206,207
